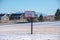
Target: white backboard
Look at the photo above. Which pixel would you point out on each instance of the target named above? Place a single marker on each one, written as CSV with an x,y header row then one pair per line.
x,y
29,14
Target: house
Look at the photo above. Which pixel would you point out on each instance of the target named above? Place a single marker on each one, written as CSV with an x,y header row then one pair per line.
x,y
49,18
17,18
1,15
36,18
14,17
5,18
22,18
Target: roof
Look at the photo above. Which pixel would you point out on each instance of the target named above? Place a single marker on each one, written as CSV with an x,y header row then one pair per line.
x,y
2,14
14,16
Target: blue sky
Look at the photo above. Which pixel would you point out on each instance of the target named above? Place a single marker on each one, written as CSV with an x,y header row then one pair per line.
x,y
48,7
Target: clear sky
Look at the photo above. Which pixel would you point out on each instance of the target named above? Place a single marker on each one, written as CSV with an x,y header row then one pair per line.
x,y
48,7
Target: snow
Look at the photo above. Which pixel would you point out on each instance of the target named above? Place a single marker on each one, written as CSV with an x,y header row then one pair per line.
x,y
18,36
22,31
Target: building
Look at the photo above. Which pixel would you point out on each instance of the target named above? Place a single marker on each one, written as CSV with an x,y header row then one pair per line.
x,y
14,18
1,15
49,18
5,18
22,18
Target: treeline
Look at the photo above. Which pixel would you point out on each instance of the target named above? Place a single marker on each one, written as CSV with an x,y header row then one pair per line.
x,y
57,15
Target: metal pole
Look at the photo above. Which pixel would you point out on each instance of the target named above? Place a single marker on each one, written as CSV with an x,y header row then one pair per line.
x,y
31,26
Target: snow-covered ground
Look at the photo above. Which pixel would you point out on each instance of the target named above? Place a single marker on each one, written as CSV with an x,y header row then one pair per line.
x,y
41,31
17,36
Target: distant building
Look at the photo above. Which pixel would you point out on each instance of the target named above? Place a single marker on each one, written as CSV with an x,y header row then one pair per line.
x,y
1,15
17,18
22,18
5,18
49,18
14,17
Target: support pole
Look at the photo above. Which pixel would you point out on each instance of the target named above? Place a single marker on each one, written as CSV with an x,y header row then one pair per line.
x,y
31,25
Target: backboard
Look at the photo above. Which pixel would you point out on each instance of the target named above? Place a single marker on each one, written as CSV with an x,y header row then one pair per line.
x,y
29,14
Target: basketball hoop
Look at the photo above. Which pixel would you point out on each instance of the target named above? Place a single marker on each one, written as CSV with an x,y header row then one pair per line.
x,y
31,15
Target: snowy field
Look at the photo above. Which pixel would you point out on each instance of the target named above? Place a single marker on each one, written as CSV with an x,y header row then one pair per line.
x,y
18,36
41,31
